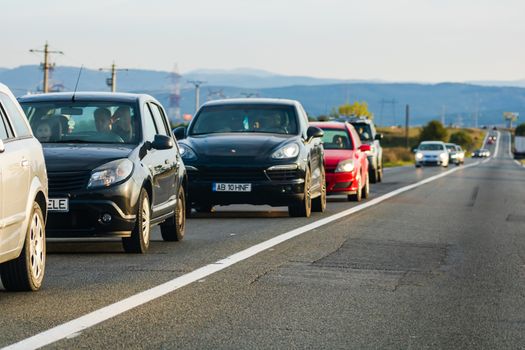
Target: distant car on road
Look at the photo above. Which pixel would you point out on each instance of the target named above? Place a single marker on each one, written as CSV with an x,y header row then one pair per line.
x,y
346,162
455,153
23,200
432,153
481,153
254,151
113,165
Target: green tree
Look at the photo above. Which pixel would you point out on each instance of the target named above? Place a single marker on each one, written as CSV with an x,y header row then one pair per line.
x,y
461,138
433,131
520,130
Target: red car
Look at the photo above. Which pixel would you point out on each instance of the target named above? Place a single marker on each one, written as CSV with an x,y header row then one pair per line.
x,y
345,160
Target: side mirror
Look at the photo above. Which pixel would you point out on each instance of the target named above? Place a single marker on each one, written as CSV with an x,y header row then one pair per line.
x,y
161,142
365,148
313,132
180,133
379,136
2,147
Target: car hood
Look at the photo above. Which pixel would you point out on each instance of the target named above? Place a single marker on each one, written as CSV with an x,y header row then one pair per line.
x,y
236,146
332,157
82,157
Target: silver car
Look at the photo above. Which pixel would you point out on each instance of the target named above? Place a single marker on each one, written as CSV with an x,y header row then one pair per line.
x,y
432,153
23,199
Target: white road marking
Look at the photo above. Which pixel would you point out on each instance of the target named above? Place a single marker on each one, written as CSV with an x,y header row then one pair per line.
x,y
89,320
497,145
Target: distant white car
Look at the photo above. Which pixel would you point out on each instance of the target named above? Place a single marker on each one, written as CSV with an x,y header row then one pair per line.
x,y
23,199
432,153
455,153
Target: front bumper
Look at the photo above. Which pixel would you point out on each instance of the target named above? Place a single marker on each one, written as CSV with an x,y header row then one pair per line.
x,y
340,183
87,208
271,188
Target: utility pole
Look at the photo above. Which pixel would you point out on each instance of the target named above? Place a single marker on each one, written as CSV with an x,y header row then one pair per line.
x,y
112,82
46,66
407,122
197,84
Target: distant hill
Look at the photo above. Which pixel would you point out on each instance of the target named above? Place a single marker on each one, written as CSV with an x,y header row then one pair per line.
x,y
317,94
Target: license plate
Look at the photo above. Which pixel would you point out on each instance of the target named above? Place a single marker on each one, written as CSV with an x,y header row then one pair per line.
x,y
58,204
226,187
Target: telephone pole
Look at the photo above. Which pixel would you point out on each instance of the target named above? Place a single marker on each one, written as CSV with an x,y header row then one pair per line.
x,y
197,84
46,66
112,81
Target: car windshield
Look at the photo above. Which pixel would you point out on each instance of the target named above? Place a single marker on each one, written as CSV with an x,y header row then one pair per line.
x,y
451,148
336,139
83,122
242,118
364,130
430,147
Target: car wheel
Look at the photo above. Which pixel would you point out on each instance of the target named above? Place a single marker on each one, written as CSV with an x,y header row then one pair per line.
x,y
173,229
356,197
26,272
366,189
304,207
418,166
319,203
139,241
380,173
374,175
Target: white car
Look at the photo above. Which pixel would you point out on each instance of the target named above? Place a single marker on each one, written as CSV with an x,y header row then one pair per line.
x,y
23,199
432,153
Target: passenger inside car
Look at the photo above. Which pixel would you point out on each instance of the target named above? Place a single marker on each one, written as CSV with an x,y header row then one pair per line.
x,y
102,120
43,131
122,123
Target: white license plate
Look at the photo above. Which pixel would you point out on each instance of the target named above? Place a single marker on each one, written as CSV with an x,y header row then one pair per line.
x,y
226,187
58,204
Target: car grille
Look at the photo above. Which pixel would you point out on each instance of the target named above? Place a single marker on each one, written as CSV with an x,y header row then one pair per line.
x,y
65,182
282,175
228,175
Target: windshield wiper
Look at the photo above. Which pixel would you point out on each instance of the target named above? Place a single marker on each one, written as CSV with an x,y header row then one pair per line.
x,y
72,141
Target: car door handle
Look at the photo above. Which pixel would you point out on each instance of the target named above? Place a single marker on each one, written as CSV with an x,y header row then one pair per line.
x,y
24,163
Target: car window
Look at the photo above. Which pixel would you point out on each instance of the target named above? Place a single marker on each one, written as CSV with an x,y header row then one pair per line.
x,y
158,116
150,129
336,139
431,147
3,129
15,117
364,130
243,118
82,122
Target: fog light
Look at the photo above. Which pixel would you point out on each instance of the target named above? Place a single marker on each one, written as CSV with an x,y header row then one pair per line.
x,y
106,218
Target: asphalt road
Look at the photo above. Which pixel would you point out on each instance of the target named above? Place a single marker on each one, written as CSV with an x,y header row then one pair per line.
x,y
439,266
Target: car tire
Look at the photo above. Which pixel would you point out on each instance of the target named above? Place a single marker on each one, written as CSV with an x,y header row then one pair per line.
x,y
418,166
138,243
172,230
304,207
374,175
26,272
319,203
380,173
366,189
356,197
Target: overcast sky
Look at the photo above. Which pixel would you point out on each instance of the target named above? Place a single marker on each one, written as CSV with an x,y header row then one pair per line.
x,y
396,40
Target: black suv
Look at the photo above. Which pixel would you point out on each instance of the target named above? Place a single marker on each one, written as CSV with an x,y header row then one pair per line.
x,y
368,134
113,166
254,151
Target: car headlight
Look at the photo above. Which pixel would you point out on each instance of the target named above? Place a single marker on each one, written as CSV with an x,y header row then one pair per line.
x,y
186,152
110,173
419,155
288,151
345,166
443,156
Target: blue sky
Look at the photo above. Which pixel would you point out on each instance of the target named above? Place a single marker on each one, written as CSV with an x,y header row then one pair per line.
x,y
397,40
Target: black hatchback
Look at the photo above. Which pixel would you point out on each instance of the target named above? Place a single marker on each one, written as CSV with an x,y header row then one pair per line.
x,y
113,165
254,151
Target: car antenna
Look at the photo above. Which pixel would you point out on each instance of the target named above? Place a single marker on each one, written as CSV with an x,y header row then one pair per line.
x,y
76,85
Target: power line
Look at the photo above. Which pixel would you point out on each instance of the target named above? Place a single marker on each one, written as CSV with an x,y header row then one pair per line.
x,y
46,65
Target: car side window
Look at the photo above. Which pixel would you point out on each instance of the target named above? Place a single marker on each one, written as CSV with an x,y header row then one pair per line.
x,y
3,129
18,120
159,119
150,129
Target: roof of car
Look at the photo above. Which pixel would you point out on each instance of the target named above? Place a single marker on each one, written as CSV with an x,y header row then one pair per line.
x,y
329,125
440,142
83,96
269,101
